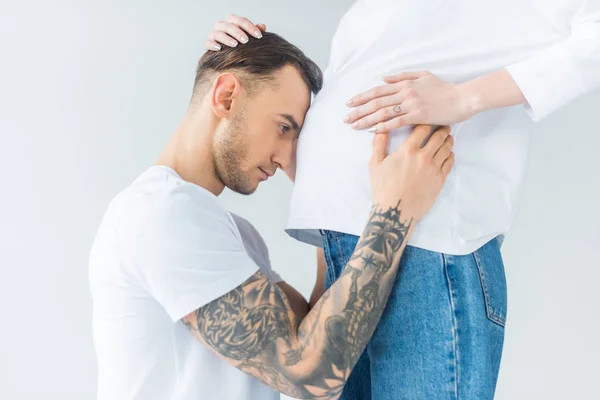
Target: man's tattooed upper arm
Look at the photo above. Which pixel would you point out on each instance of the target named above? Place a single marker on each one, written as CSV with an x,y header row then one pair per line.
x,y
245,325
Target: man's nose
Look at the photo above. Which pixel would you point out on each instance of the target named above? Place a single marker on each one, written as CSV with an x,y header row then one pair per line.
x,y
285,156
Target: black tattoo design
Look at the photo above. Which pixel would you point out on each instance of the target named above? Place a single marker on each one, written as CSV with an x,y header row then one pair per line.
x,y
241,333
253,325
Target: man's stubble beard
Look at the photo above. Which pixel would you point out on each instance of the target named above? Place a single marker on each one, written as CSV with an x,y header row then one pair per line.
x,y
230,153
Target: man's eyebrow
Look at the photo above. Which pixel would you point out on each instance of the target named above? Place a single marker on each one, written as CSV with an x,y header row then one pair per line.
x,y
292,121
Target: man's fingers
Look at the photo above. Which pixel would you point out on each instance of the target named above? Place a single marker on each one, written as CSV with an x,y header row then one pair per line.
x,y
448,164
444,152
436,141
369,95
405,76
419,135
246,25
380,143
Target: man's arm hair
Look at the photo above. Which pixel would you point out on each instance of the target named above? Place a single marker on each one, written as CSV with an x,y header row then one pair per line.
x,y
254,328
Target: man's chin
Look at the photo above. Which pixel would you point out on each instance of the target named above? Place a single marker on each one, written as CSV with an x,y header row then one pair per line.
x,y
245,190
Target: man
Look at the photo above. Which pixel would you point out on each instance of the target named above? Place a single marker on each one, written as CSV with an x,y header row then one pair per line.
x,y
182,309
497,67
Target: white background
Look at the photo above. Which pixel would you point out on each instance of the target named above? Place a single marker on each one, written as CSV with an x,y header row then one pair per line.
x,y
90,92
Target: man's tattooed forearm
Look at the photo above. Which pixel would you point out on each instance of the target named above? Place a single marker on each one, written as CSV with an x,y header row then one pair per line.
x,y
350,332
253,324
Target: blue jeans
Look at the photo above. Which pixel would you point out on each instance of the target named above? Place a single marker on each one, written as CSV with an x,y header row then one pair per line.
x,y
442,332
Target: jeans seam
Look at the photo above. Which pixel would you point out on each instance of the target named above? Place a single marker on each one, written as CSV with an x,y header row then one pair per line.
x,y
454,325
329,268
341,249
490,311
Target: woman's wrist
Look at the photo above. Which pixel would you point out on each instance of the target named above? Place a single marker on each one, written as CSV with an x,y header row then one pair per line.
x,y
495,90
470,99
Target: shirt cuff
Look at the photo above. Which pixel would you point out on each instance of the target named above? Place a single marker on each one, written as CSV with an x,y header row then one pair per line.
x,y
548,81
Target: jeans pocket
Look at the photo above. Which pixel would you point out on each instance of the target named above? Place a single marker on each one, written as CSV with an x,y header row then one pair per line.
x,y
493,281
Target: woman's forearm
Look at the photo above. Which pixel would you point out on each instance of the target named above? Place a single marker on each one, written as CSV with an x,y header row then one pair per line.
x,y
495,90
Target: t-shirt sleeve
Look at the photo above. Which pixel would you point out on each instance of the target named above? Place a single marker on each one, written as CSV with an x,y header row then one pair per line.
x,y
190,253
256,247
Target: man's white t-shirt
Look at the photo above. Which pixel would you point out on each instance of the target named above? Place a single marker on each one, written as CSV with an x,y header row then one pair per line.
x,y
165,248
550,47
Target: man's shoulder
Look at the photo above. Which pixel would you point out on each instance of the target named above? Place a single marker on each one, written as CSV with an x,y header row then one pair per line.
x,y
161,206
186,211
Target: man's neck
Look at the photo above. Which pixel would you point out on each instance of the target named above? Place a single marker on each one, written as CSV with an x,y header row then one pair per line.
x,y
189,152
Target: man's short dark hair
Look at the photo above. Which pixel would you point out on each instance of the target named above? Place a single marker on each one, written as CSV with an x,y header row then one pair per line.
x,y
257,61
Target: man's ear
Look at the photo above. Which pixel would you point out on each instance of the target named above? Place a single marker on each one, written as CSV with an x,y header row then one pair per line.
x,y
227,88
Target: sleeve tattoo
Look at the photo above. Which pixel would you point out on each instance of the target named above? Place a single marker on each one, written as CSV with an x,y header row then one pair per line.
x,y
254,328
